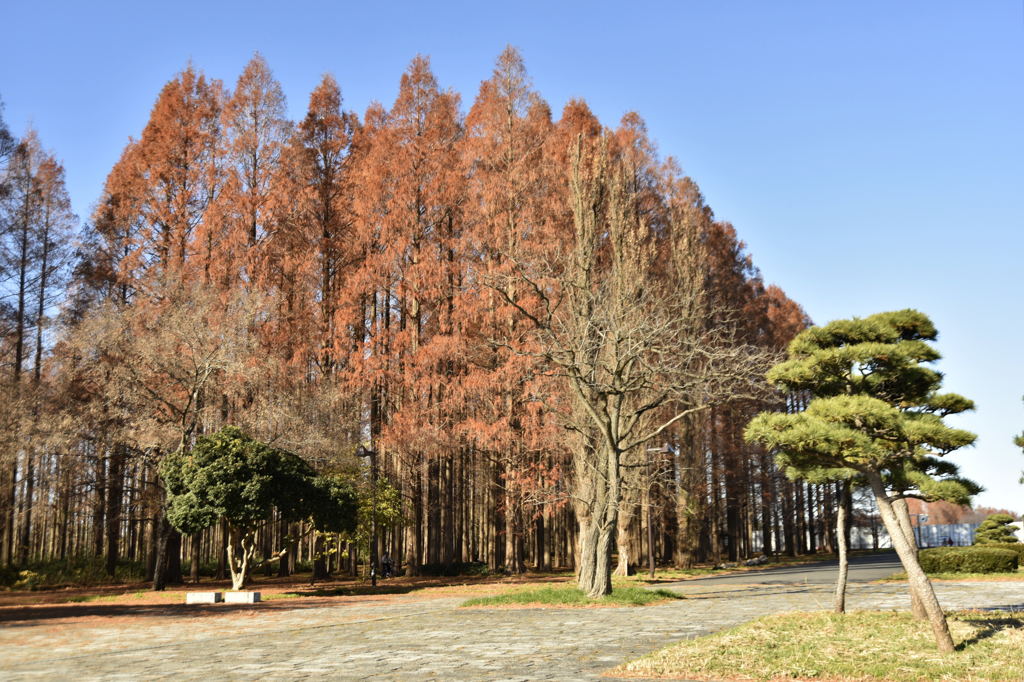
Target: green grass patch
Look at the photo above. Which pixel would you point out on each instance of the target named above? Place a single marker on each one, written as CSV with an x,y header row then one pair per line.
x,y
573,596
863,646
279,595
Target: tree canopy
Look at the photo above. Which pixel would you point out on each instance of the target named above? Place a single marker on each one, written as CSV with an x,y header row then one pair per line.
x,y
229,476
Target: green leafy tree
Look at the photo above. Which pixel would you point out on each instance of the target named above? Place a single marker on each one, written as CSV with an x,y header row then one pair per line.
x,y
996,529
334,513
877,411
380,506
229,476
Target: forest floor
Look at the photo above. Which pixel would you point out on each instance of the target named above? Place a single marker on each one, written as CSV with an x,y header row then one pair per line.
x,y
273,588
294,591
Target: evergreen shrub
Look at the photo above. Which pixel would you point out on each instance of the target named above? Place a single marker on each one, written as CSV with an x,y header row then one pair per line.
x,y
974,559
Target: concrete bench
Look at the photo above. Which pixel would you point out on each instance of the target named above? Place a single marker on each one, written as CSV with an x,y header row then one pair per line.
x,y
241,597
202,597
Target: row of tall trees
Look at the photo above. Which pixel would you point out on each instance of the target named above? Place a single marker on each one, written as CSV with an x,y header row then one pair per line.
x,y
538,327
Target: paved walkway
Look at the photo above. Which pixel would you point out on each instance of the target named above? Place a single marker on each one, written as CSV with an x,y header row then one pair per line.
x,y
406,637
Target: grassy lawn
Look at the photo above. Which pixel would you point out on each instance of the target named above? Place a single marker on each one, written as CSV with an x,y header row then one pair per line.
x,y
573,596
863,646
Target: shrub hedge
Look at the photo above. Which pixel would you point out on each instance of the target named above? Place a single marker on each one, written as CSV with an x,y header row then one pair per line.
x,y
1017,547
975,559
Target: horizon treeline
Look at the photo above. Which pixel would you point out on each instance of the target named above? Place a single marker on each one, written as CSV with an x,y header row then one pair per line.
x,y
346,280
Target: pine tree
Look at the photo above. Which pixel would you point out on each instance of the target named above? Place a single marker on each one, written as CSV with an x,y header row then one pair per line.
x,y
876,410
997,528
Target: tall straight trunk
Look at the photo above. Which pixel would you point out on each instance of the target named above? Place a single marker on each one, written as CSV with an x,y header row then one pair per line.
x,y
916,577
801,527
498,523
319,561
540,540
28,497
115,489
830,525
788,522
767,520
10,504
686,524
65,515
194,552
174,575
160,551
99,504
812,527
282,533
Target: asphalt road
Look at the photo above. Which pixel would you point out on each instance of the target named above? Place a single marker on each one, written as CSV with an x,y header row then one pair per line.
x,y
863,568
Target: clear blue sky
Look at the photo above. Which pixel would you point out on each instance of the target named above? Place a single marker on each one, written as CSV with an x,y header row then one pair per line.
x,y
871,153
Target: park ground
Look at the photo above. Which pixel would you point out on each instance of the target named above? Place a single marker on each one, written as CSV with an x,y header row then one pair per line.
x,y
414,628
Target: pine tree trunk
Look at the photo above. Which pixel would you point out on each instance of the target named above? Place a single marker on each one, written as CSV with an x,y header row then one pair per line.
x,y
902,511
916,577
842,540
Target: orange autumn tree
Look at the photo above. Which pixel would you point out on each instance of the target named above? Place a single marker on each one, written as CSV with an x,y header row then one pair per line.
x,y
395,264
155,225
507,218
408,363
256,131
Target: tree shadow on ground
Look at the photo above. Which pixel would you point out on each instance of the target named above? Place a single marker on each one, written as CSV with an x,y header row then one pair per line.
x,y
990,627
39,615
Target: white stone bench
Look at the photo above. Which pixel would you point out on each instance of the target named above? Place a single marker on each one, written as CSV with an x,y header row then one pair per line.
x,y
202,597
241,597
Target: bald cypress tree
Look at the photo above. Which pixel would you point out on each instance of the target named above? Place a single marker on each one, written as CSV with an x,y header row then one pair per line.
x,y
876,410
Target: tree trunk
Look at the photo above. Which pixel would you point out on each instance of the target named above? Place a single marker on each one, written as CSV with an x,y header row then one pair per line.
x,y
241,550
282,541
160,564
623,544
193,573
595,556
598,524
842,540
902,511
908,557
174,576
222,553
115,489
319,561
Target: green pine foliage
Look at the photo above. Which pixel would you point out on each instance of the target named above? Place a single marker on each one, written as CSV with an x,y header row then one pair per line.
x,y
996,529
876,405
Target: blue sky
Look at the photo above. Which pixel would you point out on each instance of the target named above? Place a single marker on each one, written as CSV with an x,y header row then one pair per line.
x,y
871,154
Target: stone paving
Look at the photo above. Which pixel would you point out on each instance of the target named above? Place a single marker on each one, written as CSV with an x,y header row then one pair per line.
x,y
411,638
